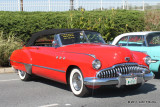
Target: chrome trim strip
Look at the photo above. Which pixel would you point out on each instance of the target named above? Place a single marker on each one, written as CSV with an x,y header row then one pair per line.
x,y
95,82
18,62
39,66
92,55
28,67
143,66
154,61
49,68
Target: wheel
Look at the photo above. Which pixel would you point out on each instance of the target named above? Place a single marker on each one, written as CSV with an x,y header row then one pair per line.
x,y
76,83
23,75
132,87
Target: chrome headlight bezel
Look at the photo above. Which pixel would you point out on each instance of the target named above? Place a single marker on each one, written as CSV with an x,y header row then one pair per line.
x,y
147,60
96,64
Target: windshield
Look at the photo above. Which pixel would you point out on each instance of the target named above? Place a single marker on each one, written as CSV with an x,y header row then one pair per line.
x,y
81,37
153,39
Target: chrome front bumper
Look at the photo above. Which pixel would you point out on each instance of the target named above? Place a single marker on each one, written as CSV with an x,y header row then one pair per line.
x,y
120,80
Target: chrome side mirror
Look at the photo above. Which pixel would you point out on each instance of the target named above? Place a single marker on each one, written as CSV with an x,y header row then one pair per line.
x,y
54,43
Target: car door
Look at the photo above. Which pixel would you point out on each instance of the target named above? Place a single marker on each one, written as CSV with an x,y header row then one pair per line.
x,y
44,57
134,43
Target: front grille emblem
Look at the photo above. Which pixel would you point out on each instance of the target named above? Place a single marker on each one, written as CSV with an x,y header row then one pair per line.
x,y
127,59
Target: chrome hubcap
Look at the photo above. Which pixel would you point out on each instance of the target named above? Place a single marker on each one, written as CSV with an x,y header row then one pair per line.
x,y
77,81
22,73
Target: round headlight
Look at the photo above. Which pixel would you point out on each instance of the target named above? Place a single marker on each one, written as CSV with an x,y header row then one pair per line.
x,y
96,64
147,60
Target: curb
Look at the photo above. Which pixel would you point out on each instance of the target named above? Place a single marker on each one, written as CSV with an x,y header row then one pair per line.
x,y
6,70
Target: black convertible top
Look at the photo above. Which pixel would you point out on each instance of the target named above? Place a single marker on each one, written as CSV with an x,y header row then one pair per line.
x,y
50,32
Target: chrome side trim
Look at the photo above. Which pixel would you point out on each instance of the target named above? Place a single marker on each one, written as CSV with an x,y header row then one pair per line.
x,y
18,62
92,55
29,67
49,68
154,61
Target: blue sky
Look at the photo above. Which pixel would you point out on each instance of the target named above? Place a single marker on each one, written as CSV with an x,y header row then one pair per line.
x,y
64,5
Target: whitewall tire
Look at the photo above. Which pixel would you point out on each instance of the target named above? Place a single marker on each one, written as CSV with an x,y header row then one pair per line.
x,y
76,83
23,75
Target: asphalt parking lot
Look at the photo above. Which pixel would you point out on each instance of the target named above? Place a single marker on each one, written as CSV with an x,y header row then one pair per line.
x,y
41,92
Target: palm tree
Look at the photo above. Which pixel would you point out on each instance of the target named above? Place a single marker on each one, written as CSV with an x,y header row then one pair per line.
x,y
71,5
21,5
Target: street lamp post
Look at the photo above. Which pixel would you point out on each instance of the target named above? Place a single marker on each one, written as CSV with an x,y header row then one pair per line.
x,y
71,5
21,5
101,5
49,4
19,8
123,4
143,5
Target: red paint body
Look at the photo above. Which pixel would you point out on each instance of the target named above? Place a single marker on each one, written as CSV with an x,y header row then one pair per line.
x,y
75,54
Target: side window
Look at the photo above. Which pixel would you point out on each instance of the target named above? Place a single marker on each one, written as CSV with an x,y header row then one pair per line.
x,y
123,41
136,40
153,39
45,40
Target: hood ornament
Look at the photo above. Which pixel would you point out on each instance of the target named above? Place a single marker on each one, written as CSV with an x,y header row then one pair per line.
x,y
127,59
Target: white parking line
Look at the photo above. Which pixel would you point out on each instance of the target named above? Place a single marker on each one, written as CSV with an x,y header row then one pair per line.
x,y
67,104
50,105
9,80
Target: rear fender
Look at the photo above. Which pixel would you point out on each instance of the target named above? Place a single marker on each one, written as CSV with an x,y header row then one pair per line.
x,y
21,60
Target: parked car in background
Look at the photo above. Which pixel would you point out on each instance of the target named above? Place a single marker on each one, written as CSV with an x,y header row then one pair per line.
x,y
146,42
81,59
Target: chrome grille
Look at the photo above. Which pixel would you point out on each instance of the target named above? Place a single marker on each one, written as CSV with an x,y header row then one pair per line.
x,y
123,69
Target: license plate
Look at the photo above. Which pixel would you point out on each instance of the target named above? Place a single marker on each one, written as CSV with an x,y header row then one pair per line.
x,y
130,81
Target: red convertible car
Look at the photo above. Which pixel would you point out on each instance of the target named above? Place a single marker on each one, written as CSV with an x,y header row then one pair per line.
x,y
81,59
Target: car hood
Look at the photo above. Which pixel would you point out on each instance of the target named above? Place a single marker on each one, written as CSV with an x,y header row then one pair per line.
x,y
107,54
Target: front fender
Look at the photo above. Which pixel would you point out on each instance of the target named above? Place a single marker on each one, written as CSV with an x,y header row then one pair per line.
x,y
139,57
154,66
83,61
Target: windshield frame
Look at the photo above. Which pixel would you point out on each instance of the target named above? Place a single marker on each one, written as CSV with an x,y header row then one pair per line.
x,y
84,34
